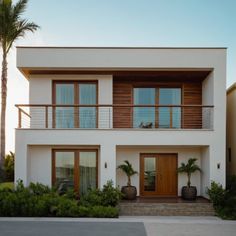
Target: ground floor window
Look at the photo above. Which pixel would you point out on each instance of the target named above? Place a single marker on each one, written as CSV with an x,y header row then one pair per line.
x,y
74,169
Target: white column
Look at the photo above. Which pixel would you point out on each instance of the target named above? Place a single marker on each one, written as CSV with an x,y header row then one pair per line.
x,y
21,165
107,167
205,166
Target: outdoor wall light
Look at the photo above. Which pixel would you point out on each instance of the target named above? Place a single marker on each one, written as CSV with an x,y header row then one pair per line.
x,y
218,165
105,165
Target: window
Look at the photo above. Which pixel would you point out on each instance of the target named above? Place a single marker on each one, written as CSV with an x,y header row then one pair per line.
x,y
70,93
144,116
87,96
161,117
169,117
74,169
65,96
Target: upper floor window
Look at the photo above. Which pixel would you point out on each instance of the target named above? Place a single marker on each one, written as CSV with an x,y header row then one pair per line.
x,y
160,117
70,93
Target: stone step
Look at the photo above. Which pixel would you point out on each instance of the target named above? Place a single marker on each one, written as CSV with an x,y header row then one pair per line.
x,y
166,209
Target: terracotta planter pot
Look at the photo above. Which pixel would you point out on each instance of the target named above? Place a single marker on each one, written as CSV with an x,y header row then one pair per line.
x,y
130,192
189,193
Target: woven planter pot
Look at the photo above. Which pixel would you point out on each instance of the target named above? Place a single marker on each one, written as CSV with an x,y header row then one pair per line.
x,y
189,193
130,192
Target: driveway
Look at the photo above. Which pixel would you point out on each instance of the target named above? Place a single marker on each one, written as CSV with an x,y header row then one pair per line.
x,y
138,226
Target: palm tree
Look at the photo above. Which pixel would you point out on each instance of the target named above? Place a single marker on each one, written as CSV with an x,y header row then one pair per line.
x,y
189,168
12,27
128,170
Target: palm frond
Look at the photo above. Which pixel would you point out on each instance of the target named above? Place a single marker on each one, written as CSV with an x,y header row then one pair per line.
x,y
189,168
12,26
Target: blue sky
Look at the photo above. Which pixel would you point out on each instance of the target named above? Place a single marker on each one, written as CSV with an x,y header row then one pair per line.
x,y
197,23
159,23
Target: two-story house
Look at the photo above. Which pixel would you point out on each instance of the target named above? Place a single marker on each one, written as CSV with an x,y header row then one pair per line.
x,y
92,108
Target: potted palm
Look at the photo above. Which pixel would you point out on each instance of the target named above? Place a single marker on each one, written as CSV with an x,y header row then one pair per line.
x,y
189,192
129,191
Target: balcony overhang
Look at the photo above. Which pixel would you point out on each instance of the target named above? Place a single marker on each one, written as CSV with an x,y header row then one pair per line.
x,y
116,61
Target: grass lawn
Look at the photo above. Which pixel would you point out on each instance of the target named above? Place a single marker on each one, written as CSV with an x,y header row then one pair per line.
x,y
7,185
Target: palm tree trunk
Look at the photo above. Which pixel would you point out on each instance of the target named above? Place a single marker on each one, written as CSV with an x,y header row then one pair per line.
x,y
3,107
189,177
129,181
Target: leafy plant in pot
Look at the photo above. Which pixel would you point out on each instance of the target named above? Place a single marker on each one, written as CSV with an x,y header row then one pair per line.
x,y
189,192
129,191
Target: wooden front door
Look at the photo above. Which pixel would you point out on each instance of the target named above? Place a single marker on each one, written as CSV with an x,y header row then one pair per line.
x,y
158,175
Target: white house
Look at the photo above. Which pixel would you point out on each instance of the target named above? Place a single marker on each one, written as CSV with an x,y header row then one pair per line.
x,y
92,108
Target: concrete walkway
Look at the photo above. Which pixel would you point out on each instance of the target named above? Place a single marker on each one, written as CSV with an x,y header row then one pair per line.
x,y
138,226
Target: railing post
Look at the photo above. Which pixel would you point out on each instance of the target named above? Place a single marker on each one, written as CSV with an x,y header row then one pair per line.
x,y
46,117
19,118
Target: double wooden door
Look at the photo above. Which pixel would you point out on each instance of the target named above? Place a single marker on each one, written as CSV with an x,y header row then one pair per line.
x,y
158,174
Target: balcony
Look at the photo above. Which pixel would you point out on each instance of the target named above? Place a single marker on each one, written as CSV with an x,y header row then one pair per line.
x,y
146,117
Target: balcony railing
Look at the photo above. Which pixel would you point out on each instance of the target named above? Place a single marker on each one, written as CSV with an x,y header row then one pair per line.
x,y
51,116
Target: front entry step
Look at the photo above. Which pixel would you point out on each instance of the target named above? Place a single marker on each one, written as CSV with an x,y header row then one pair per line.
x,y
166,209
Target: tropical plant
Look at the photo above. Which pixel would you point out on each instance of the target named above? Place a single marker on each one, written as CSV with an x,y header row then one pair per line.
x,y
8,167
12,27
189,169
127,168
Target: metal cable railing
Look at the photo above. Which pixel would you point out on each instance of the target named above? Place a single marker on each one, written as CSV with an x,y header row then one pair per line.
x,y
51,116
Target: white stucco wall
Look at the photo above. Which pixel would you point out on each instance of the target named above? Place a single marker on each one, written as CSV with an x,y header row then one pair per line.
x,y
133,156
40,165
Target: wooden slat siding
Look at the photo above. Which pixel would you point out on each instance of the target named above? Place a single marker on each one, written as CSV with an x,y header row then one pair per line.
x,y
122,94
192,95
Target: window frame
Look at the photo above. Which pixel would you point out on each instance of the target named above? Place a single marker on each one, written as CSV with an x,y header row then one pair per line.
x,y
76,99
76,163
157,88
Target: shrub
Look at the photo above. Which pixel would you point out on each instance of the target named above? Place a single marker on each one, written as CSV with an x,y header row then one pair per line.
x,y
39,189
67,208
216,194
39,200
92,198
224,201
104,212
110,195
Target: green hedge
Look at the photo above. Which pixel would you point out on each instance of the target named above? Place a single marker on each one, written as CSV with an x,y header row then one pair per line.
x,y
224,200
38,200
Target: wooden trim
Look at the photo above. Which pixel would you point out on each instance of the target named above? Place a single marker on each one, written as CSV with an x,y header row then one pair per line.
x,y
76,170
46,117
76,109
109,105
156,108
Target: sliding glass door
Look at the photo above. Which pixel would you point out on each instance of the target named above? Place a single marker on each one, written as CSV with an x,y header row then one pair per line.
x,y
76,92
74,169
165,116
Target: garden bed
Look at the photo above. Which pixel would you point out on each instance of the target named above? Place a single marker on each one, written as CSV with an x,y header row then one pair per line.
x,y
38,200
